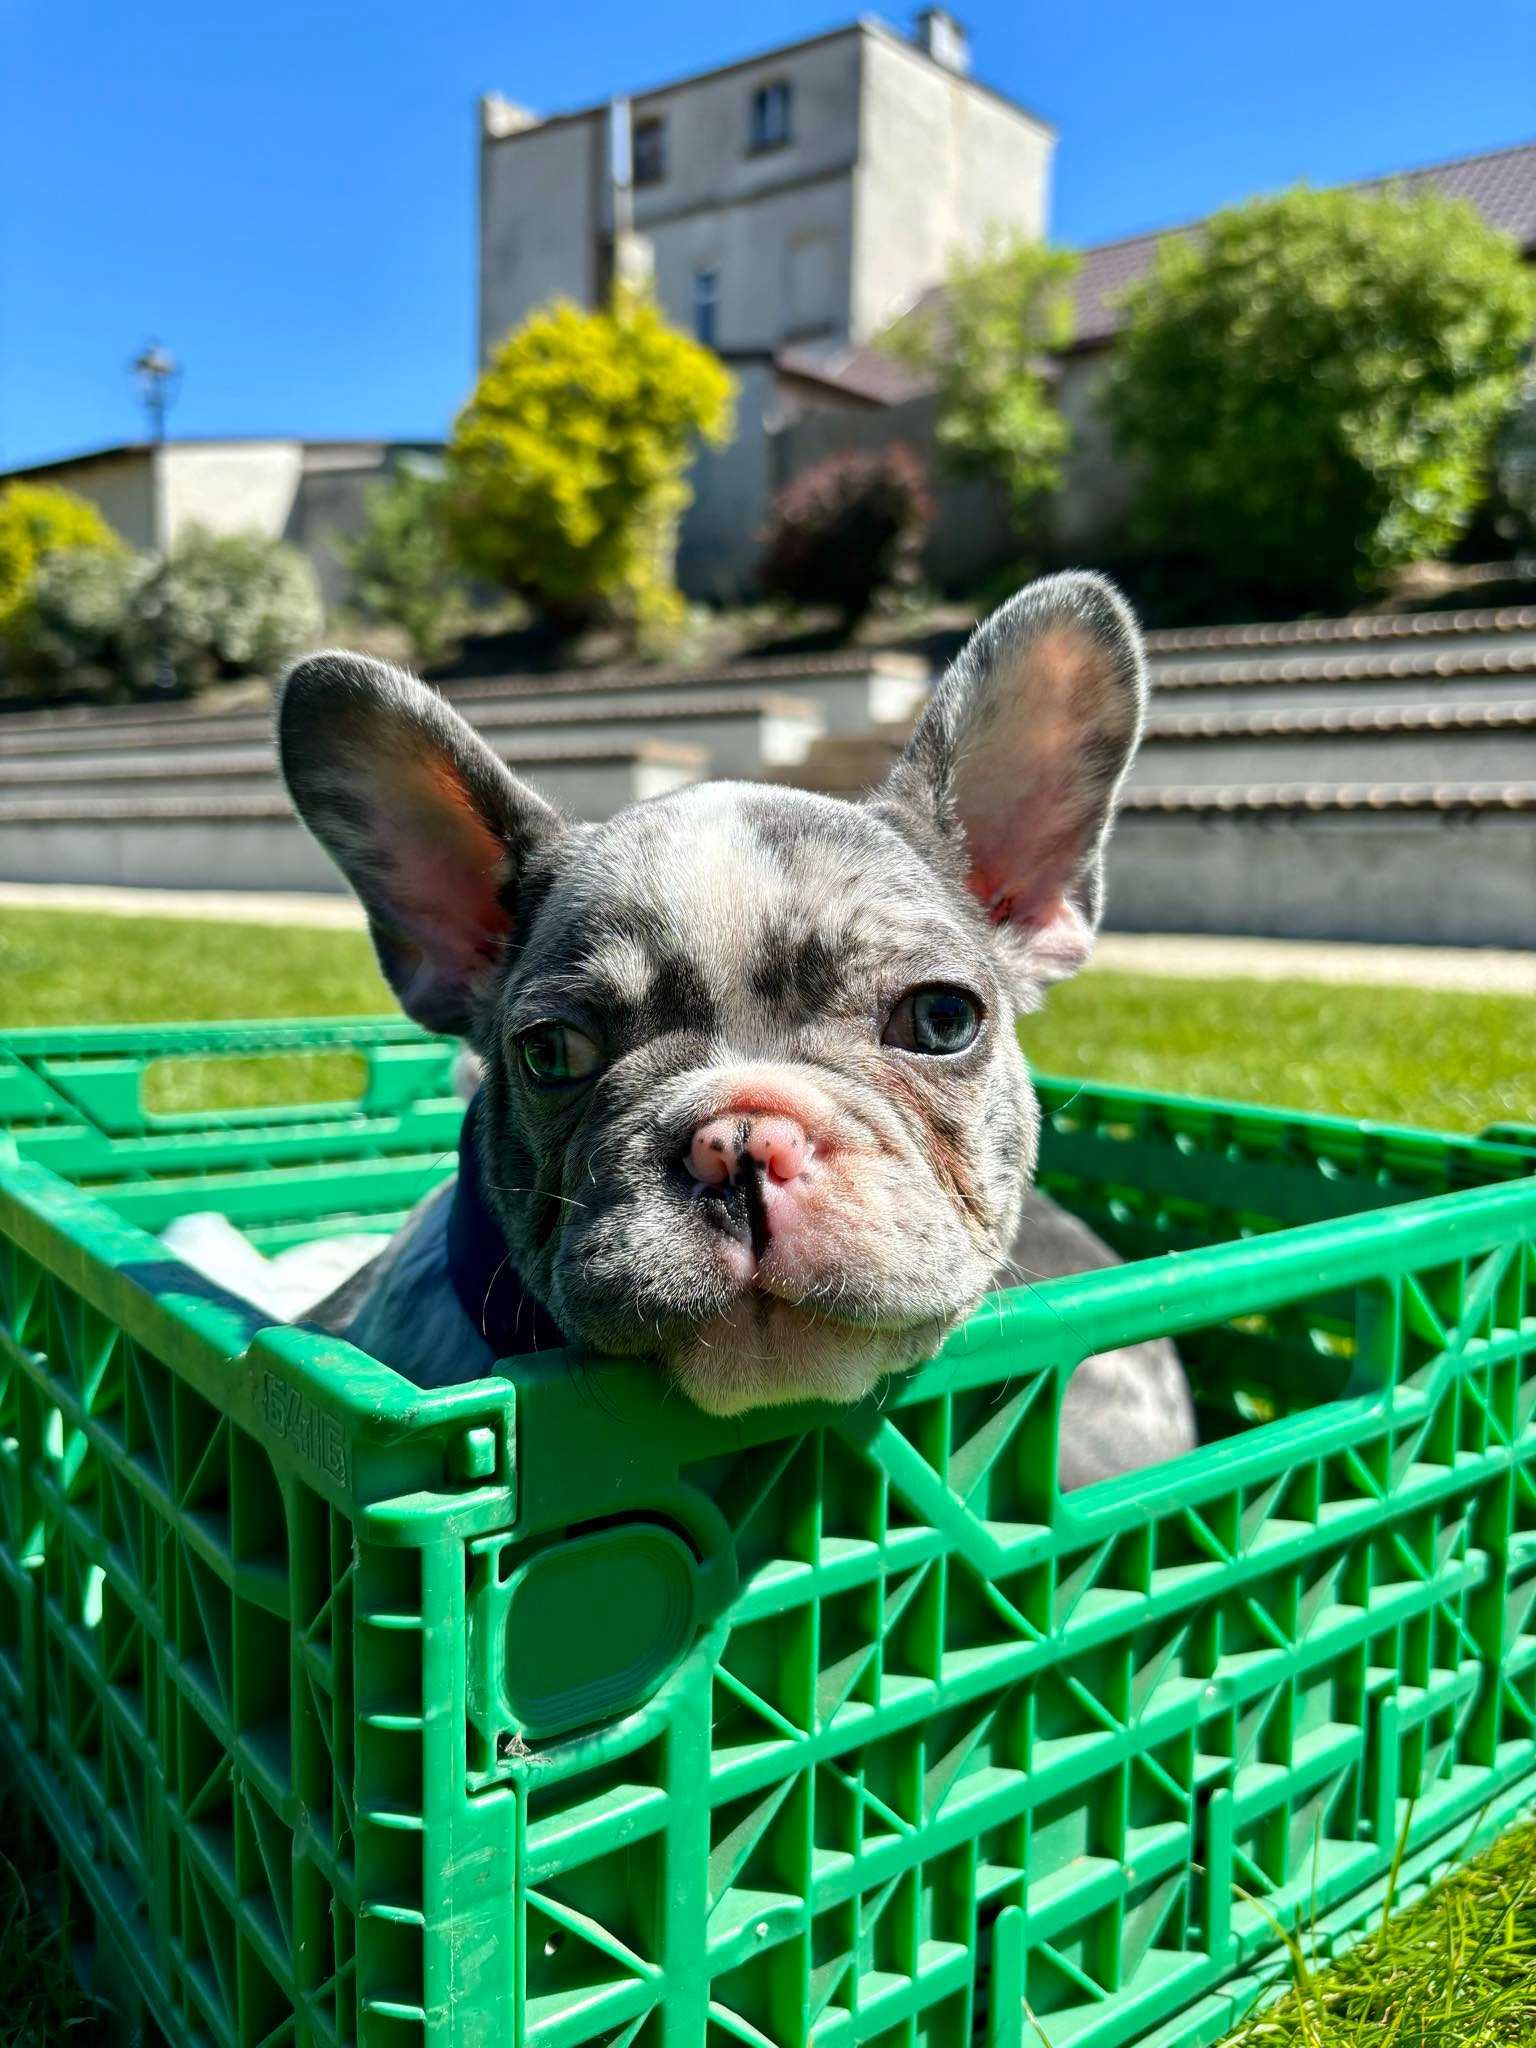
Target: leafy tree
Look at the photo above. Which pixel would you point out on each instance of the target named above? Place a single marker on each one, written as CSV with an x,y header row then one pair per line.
x,y
848,528
403,567
985,341
566,468
1308,387
36,521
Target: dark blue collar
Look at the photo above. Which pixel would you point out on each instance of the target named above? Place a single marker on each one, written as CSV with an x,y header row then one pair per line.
x,y
487,1284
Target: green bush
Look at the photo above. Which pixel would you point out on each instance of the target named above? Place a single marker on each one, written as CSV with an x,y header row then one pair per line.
x,y
105,621
848,528
403,568
566,468
36,522
1309,386
985,344
223,605
1514,462
76,630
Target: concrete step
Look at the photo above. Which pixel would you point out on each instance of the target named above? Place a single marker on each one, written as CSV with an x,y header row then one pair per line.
x,y
1487,742
1447,863
21,739
855,689
1413,675
851,692
1441,799
848,764
1475,629
739,732
590,781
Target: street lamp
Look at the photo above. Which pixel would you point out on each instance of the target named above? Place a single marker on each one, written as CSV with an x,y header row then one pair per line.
x,y
157,375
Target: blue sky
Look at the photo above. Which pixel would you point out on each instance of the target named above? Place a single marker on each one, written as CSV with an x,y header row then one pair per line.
x,y
284,193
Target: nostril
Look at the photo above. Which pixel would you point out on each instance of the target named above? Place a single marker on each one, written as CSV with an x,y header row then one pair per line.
x,y
779,1144
712,1152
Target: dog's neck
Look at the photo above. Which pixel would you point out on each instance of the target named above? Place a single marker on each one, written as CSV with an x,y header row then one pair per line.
x,y
487,1284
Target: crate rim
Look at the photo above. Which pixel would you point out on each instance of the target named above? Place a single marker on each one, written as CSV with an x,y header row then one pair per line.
x,y
78,1235
387,1027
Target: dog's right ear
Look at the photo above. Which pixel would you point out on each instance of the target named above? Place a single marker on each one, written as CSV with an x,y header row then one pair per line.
x,y
427,824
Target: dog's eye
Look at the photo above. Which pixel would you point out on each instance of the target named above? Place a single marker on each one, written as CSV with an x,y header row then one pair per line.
x,y
555,1054
937,1019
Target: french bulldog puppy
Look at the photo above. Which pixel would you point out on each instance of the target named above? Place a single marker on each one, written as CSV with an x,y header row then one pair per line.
x,y
752,1098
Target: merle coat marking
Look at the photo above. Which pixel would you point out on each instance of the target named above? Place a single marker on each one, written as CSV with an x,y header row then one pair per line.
x,y
733,942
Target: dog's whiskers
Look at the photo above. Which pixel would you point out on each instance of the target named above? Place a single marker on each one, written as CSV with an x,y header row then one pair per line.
x,y
505,1188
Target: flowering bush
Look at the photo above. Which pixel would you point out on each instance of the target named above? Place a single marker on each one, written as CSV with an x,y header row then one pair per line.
x,y
221,605
228,604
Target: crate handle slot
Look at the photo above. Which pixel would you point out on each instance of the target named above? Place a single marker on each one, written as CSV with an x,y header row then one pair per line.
x,y
192,1083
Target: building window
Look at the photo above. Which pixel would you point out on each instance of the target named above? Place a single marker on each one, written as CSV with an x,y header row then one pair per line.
x,y
649,151
772,108
706,305
810,294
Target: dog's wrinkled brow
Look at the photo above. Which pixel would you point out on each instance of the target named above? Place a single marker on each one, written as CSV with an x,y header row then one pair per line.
x,y
682,916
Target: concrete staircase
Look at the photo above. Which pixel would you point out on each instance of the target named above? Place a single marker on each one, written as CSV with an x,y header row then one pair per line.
x,y
169,796
1370,778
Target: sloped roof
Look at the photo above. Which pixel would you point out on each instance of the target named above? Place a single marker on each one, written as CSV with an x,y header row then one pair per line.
x,y
1501,184
864,372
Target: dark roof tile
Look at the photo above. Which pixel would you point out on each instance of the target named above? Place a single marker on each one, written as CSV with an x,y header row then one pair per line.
x,y
1501,184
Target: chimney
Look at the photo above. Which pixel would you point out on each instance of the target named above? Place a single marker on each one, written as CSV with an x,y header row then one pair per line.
x,y
500,117
944,40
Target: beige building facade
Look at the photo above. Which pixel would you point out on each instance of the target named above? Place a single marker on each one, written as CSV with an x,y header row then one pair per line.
x,y
801,199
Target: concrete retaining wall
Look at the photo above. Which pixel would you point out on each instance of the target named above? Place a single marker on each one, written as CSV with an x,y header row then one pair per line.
x,y
1404,756
191,852
1418,877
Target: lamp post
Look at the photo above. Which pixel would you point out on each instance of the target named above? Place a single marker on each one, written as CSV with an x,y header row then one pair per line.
x,y
158,375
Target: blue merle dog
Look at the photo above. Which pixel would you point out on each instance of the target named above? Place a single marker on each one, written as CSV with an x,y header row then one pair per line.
x,y
752,1102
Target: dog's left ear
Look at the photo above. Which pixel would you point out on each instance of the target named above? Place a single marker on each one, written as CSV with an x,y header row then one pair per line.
x,y
429,826
1014,766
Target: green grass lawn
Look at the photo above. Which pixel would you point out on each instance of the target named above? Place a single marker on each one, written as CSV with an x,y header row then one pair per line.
x,y
1445,1059
1456,1971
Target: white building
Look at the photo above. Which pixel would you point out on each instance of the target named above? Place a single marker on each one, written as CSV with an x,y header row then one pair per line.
x,y
800,199
304,492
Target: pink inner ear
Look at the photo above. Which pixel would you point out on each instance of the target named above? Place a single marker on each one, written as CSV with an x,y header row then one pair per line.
x,y
1030,795
447,869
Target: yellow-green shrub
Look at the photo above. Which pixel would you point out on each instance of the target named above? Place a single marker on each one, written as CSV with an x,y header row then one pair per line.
x,y
38,520
566,468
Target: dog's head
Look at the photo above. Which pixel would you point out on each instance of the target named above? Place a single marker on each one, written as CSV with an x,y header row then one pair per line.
x,y
754,1102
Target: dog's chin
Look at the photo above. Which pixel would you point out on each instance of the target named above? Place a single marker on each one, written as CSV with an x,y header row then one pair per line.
x,y
765,1352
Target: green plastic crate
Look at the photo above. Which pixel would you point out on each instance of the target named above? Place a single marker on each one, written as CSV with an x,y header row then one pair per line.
x,y
547,1711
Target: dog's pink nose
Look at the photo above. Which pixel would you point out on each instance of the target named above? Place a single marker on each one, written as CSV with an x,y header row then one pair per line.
x,y
777,1143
